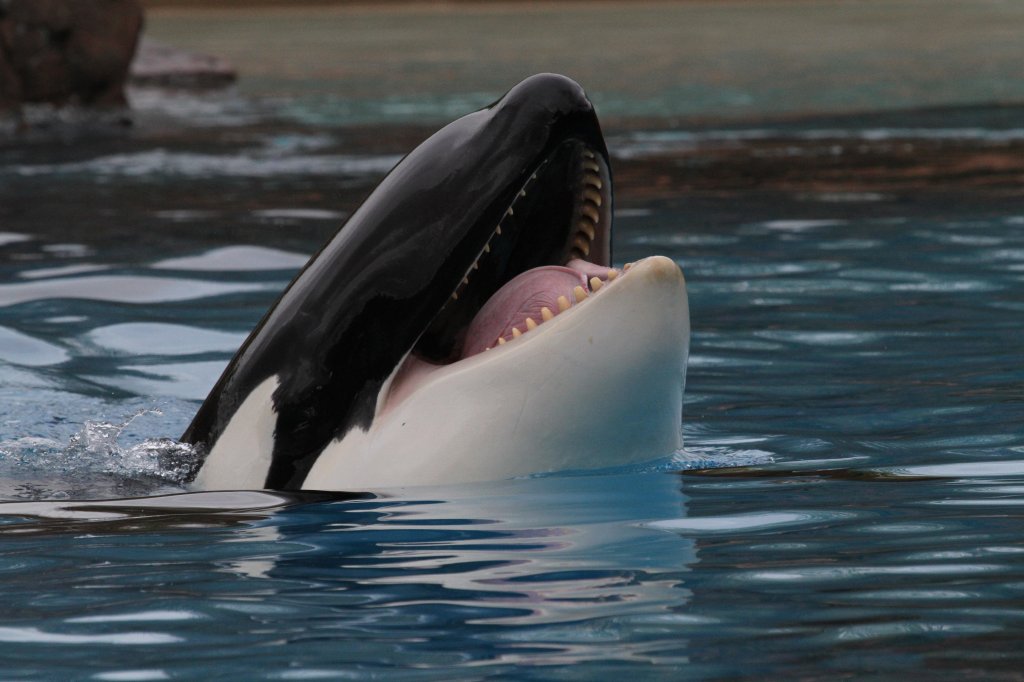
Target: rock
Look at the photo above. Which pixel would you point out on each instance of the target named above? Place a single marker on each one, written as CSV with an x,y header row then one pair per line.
x,y
67,51
160,65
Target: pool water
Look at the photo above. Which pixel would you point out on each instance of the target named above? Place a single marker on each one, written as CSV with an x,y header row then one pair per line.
x,y
849,500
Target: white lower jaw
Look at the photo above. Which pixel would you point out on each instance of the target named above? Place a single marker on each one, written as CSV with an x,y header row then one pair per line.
x,y
600,385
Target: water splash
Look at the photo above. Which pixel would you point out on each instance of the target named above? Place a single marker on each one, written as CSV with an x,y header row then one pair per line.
x,y
695,457
94,463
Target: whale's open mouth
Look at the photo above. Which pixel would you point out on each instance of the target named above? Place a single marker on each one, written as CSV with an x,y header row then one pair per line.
x,y
531,299
549,251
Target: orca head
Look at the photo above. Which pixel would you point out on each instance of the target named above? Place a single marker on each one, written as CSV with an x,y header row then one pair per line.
x,y
504,211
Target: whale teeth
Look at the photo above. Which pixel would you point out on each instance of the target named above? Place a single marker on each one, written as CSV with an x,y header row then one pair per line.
x,y
579,293
590,202
581,244
455,296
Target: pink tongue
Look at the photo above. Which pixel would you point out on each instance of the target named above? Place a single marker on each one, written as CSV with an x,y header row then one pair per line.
x,y
522,297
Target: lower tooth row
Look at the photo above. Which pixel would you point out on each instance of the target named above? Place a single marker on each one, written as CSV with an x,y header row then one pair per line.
x,y
546,315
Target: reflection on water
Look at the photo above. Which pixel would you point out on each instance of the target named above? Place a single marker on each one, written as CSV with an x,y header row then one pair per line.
x,y
544,571
850,495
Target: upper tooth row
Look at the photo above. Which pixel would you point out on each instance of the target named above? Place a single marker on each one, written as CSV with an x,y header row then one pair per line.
x,y
487,247
586,228
546,314
590,214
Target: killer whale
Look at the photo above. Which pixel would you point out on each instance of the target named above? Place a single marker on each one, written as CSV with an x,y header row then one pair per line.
x,y
464,324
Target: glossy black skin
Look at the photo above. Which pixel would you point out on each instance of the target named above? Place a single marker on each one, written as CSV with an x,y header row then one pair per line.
x,y
352,314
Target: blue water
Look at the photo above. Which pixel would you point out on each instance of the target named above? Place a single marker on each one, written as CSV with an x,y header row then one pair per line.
x,y
849,501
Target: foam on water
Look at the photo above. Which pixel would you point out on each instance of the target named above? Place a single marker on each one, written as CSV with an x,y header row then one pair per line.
x,y
95,454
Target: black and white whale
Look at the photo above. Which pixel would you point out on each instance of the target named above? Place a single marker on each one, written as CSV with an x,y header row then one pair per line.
x,y
464,324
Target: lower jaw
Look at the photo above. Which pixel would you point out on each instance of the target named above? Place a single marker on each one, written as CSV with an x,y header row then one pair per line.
x,y
416,371
598,387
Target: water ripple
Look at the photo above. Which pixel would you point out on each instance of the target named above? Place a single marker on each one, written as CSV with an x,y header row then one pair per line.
x,y
843,573
236,259
961,469
186,380
152,165
22,349
142,675
748,522
123,289
138,617
12,238
156,338
30,635
62,271
858,633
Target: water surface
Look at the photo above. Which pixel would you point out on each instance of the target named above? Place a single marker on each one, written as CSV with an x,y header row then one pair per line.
x,y
849,500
